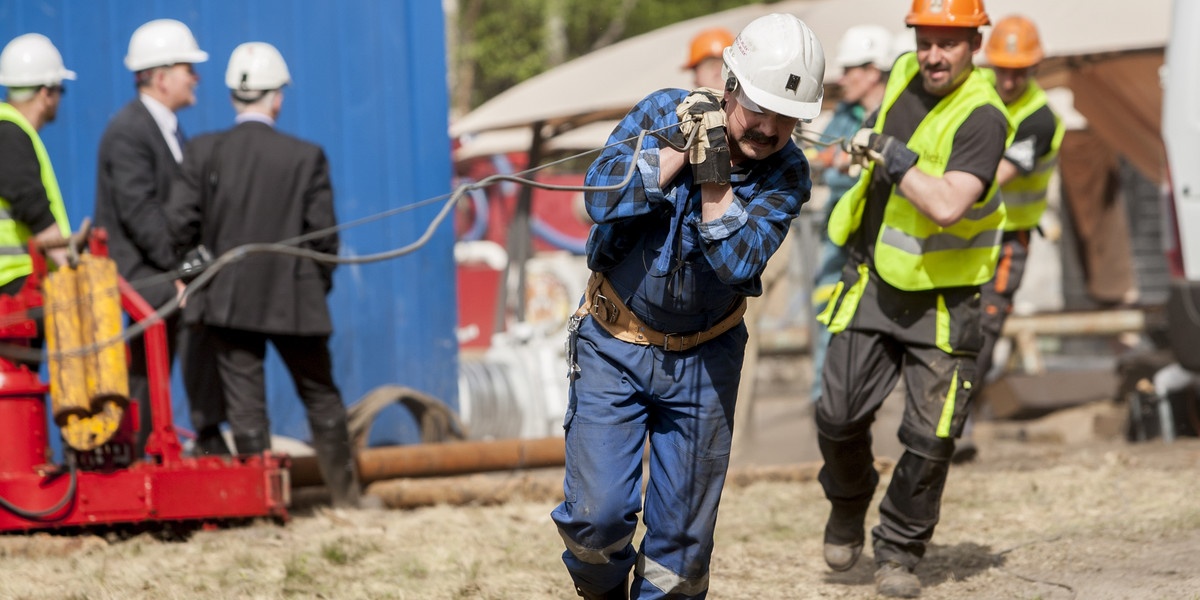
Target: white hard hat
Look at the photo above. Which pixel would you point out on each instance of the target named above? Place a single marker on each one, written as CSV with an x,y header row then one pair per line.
x,y
779,64
161,43
256,66
31,60
863,44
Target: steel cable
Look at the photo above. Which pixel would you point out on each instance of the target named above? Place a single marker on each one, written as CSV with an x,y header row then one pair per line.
x,y
290,246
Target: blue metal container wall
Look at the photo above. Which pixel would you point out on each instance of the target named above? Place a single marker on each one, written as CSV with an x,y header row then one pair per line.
x,y
369,85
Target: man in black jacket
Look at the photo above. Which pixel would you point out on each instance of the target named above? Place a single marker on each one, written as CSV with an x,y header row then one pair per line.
x,y
252,184
139,155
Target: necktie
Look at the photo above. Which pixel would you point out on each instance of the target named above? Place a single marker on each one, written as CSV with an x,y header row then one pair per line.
x,y
179,137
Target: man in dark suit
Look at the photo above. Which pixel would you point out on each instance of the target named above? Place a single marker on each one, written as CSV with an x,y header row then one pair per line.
x,y
252,184
139,155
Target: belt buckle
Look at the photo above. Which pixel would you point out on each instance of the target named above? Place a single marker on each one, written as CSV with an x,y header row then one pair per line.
x,y
682,342
604,308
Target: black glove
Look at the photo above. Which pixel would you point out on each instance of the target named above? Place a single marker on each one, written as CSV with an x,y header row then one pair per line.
x,y
194,263
709,155
895,158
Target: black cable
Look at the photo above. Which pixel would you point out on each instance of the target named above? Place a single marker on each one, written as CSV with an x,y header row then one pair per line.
x,y
40,515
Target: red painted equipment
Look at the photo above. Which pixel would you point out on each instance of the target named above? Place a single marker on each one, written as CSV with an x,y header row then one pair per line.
x,y
106,486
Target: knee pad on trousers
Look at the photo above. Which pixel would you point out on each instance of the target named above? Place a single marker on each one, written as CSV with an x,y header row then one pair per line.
x,y
841,432
926,445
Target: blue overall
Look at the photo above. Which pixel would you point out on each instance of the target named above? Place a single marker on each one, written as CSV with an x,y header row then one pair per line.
x,y
678,274
684,401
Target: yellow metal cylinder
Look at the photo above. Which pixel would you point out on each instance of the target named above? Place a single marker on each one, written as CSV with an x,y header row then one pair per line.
x,y
64,334
100,316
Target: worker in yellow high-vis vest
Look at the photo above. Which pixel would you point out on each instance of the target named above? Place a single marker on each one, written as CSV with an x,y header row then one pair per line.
x,y
31,204
1014,50
922,228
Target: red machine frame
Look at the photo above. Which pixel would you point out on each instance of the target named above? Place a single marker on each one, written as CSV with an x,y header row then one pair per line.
x,y
165,486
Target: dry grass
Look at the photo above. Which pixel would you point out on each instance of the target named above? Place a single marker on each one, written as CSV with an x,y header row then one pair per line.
x,y
1099,522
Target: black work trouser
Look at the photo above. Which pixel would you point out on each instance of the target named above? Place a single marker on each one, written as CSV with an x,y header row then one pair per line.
x,y
239,358
892,333
201,380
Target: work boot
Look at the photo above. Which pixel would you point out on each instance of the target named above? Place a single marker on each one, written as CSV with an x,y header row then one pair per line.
x,y
894,580
210,442
331,440
621,592
254,441
844,536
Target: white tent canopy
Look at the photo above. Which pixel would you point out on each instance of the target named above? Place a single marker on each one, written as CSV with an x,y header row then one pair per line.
x,y
607,82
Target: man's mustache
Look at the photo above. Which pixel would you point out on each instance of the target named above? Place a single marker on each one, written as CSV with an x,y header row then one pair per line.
x,y
759,137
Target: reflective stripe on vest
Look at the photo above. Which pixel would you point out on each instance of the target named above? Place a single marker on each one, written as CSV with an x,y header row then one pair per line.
x,y
912,252
1025,195
14,236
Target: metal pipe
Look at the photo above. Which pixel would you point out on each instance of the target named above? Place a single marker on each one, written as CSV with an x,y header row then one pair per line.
x,y
449,458
1100,322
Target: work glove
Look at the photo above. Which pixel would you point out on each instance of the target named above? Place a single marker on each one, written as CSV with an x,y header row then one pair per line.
x,y
890,153
709,155
194,263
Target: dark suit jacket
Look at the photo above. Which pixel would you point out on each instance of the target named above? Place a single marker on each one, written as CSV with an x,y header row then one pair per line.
x,y
133,177
253,184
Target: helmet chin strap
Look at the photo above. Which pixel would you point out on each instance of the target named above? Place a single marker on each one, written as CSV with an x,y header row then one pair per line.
x,y
242,94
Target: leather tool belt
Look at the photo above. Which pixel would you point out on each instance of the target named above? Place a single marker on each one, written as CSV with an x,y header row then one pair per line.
x,y
603,303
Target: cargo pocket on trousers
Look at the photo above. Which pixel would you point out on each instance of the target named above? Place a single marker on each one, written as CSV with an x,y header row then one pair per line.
x,y
960,323
958,399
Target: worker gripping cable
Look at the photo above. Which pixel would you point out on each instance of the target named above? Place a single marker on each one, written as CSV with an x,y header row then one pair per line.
x,y
922,227
657,344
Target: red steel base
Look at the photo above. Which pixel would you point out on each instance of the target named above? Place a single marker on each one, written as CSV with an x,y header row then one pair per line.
x,y
111,488
205,490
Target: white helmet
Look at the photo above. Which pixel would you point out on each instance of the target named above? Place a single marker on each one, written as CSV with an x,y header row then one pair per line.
x,y
256,66
863,44
161,43
31,60
779,64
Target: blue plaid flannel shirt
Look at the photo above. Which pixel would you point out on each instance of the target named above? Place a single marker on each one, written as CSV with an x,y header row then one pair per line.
x,y
769,193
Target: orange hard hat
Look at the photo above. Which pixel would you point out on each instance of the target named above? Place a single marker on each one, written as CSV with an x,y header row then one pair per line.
x,y
1014,44
947,13
709,43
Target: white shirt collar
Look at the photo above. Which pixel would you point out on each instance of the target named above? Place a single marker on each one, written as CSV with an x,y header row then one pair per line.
x,y
167,122
256,117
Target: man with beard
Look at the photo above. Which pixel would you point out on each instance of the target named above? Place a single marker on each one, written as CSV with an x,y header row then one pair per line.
x,y
32,205
656,348
923,228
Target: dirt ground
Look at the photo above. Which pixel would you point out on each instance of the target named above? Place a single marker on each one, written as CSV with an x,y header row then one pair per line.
x,y
1049,510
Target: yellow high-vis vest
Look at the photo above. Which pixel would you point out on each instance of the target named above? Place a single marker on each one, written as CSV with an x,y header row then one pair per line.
x,y
912,252
1025,195
14,236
